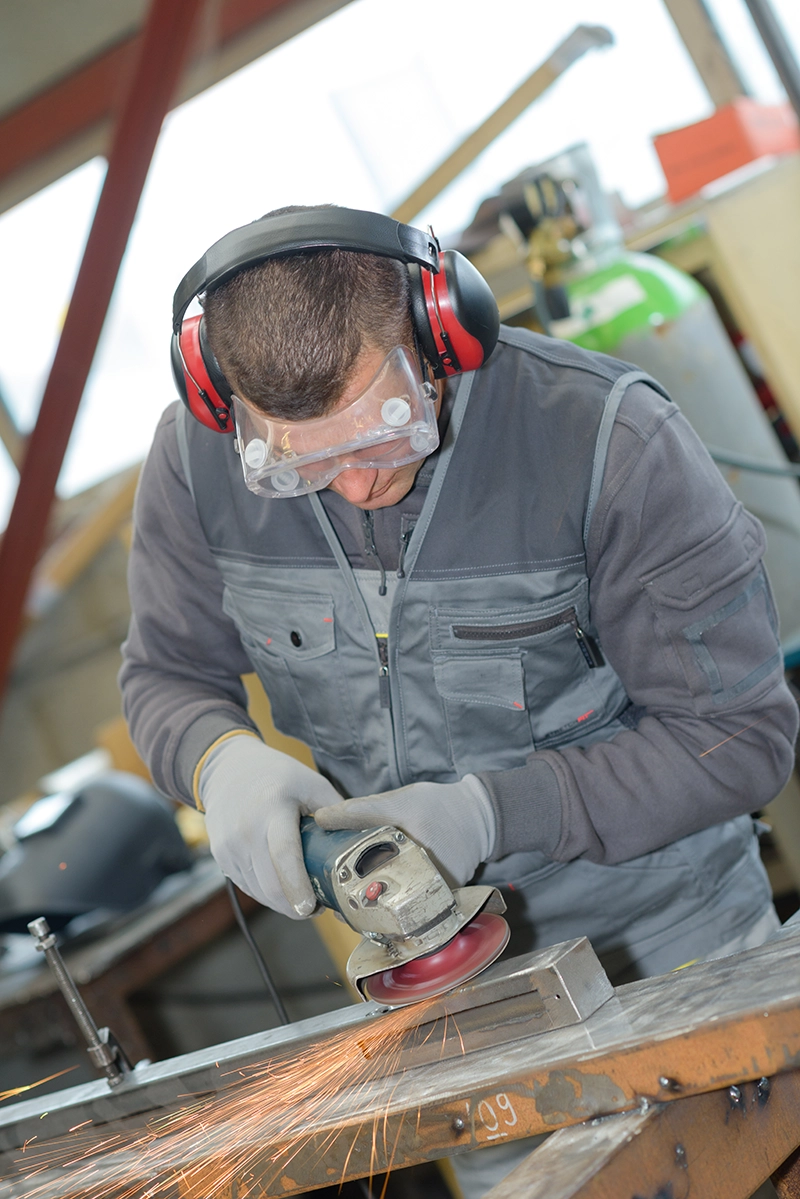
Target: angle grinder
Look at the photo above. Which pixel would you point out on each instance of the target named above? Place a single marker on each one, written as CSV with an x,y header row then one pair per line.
x,y
419,937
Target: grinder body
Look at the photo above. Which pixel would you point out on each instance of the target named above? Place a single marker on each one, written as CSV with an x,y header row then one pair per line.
x,y
387,888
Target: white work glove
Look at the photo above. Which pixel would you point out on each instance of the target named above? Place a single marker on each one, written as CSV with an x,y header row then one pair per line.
x,y
254,797
453,821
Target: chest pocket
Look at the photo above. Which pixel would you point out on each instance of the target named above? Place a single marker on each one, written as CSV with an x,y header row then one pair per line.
x,y
290,637
520,678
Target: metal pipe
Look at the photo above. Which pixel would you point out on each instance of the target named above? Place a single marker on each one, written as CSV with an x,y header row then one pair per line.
x,y
783,57
163,49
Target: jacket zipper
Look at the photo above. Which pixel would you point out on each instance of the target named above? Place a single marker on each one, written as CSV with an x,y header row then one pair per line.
x,y
383,671
370,548
586,644
405,538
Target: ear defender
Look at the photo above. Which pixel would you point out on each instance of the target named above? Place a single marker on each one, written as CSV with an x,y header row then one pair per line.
x,y
198,377
452,306
455,314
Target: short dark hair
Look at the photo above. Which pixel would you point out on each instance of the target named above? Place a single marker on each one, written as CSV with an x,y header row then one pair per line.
x,y
288,332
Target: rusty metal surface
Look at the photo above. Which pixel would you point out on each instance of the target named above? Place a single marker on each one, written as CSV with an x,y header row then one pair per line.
x,y
786,1179
723,1143
704,1028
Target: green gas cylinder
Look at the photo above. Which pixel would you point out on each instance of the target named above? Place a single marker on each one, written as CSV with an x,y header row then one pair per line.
x,y
647,312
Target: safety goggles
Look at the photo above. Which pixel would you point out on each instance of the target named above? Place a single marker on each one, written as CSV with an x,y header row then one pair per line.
x,y
392,423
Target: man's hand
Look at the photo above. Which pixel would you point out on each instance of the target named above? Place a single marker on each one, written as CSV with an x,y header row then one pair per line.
x,y
453,821
254,797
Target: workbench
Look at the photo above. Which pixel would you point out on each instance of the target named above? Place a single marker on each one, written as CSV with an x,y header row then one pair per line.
x,y
685,1083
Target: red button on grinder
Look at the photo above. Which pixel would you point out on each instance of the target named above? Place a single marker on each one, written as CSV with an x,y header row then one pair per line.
x,y
373,890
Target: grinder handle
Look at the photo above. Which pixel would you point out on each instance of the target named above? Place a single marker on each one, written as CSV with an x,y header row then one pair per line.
x,y
320,851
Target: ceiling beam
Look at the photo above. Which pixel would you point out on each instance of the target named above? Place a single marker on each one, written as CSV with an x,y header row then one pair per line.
x,y
701,37
71,121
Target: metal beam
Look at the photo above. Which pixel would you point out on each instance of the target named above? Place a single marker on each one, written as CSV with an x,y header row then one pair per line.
x,y
573,47
725,1143
164,45
701,37
783,57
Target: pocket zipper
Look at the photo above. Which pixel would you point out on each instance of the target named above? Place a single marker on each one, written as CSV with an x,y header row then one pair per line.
x,y
586,644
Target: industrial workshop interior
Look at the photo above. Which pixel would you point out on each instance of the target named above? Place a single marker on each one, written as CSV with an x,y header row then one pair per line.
x,y
400,594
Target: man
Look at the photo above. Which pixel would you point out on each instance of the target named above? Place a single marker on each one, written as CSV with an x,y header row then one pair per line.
x,y
546,650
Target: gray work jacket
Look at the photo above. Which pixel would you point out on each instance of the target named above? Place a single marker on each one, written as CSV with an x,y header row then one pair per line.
x,y
506,653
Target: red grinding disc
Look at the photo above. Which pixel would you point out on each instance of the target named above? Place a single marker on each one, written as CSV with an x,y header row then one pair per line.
x,y
476,946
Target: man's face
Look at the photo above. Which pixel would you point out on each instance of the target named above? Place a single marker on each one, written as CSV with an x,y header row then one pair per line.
x,y
371,488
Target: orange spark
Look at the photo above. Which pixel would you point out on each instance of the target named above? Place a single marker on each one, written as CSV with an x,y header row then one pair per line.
x,y
727,739
9,1094
297,1103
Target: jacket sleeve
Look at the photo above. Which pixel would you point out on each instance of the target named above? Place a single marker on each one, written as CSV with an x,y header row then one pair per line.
x,y
685,616
182,660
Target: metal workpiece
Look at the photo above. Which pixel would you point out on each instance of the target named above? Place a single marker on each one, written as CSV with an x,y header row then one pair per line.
x,y
706,1028
104,1050
567,979
510,1001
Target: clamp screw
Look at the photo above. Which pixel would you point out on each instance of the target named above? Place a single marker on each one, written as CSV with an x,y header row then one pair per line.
x,y
457,1124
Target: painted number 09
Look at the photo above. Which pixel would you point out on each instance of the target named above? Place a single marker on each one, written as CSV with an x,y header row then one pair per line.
x,y
491,1121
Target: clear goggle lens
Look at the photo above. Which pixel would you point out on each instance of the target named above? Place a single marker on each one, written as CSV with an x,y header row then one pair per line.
x,y
392,423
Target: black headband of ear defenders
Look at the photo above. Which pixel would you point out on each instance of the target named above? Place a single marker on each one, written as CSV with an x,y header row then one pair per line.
x,y
291,233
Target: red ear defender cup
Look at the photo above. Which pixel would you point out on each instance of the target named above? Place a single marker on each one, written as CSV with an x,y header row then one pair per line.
x,y
198,377
455,314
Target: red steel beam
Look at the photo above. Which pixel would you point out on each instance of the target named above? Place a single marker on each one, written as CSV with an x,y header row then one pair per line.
x,y
88,96
162,53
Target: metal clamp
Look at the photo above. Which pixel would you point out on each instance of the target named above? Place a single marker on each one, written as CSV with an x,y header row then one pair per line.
x,y
104,1048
